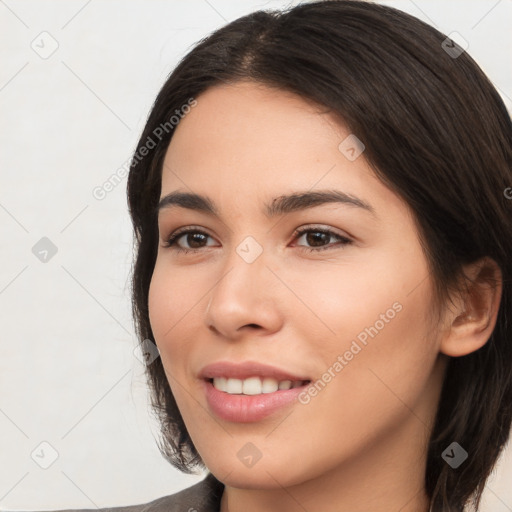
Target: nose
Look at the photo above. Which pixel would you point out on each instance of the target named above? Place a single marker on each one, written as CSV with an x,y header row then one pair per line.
x,y
245,299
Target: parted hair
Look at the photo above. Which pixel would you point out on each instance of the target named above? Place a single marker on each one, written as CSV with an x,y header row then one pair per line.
x,y
435,131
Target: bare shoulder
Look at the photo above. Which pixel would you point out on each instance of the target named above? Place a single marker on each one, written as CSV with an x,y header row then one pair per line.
x,y
204,496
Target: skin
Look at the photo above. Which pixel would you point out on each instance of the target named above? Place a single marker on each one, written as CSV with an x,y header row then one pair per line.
x,y
360,443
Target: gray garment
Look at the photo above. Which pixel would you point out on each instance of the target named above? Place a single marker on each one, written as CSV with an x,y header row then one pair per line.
x,y
204,496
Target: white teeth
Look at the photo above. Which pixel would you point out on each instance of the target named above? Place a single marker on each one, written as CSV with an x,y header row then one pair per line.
x,y
269,385
253,385
234,386
220,383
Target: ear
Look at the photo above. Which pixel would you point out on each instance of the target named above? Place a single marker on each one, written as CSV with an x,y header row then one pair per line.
x,y
471,320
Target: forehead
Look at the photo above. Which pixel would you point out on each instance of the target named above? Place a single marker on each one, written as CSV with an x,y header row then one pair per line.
x,y
256,134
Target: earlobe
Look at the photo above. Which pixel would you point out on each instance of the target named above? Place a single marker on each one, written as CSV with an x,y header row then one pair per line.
x,y
471,322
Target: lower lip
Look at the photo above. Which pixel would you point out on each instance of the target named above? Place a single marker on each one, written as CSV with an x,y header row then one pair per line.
x,y
248,408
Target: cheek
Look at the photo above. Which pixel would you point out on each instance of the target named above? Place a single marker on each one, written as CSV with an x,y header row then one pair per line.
x,y
171,299
174,308
378,323
158,302
165,310
387,359
367,291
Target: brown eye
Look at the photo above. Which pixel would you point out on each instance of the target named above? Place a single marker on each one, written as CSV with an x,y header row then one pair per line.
x,y
319,237
193,237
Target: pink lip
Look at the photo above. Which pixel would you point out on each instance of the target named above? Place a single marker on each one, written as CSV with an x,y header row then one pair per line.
x,y
248,408
246,370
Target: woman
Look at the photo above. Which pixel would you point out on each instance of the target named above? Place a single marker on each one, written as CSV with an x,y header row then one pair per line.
x,y
321,203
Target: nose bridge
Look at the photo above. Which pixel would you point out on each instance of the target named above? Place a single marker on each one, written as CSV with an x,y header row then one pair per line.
x,y
245,268
249,250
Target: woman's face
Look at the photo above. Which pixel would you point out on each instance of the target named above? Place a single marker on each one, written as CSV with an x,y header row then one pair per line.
x,y
347,310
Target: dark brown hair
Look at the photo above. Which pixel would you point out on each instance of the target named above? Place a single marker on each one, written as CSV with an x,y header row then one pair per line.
x,y
436,132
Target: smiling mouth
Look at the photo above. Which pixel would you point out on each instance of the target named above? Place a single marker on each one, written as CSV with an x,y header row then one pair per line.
x,y
254,385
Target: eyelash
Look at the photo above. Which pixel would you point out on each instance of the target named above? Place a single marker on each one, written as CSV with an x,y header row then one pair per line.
x,y
171,241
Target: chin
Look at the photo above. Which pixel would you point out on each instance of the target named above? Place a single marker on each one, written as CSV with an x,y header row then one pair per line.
x,y
260,476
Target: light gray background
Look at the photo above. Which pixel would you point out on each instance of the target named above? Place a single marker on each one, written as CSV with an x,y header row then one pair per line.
x,y
68,374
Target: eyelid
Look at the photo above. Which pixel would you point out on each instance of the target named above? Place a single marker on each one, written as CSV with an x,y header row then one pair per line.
x,y
323,228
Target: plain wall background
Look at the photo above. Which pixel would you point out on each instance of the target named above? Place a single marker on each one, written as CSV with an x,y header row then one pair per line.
x,y
68,373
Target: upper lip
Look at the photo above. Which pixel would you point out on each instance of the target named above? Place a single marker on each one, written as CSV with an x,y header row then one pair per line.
x,y
245,370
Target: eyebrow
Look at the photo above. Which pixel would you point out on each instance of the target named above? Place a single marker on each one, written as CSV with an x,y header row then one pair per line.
x,y
278,206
